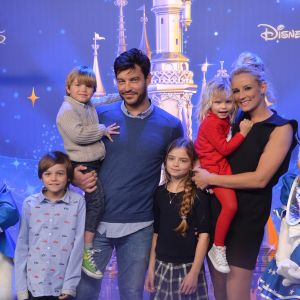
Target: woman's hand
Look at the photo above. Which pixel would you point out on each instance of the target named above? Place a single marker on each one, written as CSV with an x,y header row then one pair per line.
x,y
63,296
87,182
149,282
201,178
189,283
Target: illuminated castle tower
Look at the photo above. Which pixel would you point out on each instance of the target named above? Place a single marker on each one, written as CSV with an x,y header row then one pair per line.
x,y
100,91
144,44
121,42
172,83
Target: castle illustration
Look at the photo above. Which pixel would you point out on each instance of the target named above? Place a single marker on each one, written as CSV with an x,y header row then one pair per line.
x,y
172,83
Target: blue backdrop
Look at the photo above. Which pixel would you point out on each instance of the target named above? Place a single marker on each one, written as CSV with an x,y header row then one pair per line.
x,y
40,41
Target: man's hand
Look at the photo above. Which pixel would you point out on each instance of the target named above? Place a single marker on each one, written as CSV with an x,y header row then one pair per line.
x,y
87,182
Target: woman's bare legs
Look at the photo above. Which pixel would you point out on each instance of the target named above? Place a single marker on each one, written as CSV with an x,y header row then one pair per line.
x,y
219,282
238,283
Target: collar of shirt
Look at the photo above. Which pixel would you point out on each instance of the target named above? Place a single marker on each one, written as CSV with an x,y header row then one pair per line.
x,y
65,198
72,100
141,115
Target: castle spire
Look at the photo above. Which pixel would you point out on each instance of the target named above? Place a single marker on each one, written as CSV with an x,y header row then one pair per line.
x,y
204,68
222,72
100,91
144,44
186,19
172,84
121,42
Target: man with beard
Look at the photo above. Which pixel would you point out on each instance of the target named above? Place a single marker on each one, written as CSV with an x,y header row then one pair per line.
x,y
130,174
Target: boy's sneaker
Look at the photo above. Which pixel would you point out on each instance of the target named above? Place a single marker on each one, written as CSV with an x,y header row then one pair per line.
x,y
217,255
88,264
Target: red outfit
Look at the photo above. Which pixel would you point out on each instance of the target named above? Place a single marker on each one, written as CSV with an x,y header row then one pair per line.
x,y
212,148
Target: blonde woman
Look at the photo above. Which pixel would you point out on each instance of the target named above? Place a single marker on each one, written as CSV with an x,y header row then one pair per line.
x,y
256,166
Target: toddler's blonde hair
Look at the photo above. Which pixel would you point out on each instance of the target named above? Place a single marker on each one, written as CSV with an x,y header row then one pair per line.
x,y
216,86
84,75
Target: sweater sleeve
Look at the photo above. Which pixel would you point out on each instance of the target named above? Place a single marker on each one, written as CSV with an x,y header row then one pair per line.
x,y
70,124
178,131
214,134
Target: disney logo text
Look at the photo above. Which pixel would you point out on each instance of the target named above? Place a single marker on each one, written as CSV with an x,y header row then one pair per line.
x,y
272,33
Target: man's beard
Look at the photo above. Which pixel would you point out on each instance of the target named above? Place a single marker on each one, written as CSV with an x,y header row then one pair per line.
x,y
139,100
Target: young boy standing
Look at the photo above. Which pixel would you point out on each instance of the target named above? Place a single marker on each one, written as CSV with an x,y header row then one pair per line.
x,y
79,127
49,249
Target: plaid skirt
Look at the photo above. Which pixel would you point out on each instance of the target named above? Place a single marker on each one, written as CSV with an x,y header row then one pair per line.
x,y
168,278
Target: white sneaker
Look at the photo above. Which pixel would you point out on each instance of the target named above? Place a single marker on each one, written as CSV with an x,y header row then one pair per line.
x,y
217,256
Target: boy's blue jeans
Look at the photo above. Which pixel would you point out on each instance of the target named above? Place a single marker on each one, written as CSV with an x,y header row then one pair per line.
x,y
132,253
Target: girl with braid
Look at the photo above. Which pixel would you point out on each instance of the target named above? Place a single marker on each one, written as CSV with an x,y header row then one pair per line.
x,y
176,268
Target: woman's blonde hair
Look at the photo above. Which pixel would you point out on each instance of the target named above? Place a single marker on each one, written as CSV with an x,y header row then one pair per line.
x,y
250,59
253,61
189,193
212,90
84,75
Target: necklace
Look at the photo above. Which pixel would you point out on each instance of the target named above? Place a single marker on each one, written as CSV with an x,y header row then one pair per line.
x,y
171,197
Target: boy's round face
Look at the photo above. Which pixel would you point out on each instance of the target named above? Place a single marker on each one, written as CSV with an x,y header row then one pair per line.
x,y
55,180
80,91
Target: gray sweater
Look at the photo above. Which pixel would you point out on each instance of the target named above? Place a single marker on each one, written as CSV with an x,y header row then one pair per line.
x,y
80,129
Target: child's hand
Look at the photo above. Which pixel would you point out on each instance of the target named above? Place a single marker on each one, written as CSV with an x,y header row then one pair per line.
x,y
189,284
149,282
63,296
245,127
111,129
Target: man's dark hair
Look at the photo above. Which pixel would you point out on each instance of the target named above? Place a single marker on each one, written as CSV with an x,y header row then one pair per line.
x,y
128,60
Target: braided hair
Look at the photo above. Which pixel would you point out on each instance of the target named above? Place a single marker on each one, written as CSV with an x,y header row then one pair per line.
x,y
189,192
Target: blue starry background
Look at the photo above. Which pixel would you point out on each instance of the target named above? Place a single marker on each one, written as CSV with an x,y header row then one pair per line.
x,y
41,41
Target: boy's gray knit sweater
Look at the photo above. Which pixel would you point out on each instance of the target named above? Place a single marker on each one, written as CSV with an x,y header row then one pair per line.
x,y
81,132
